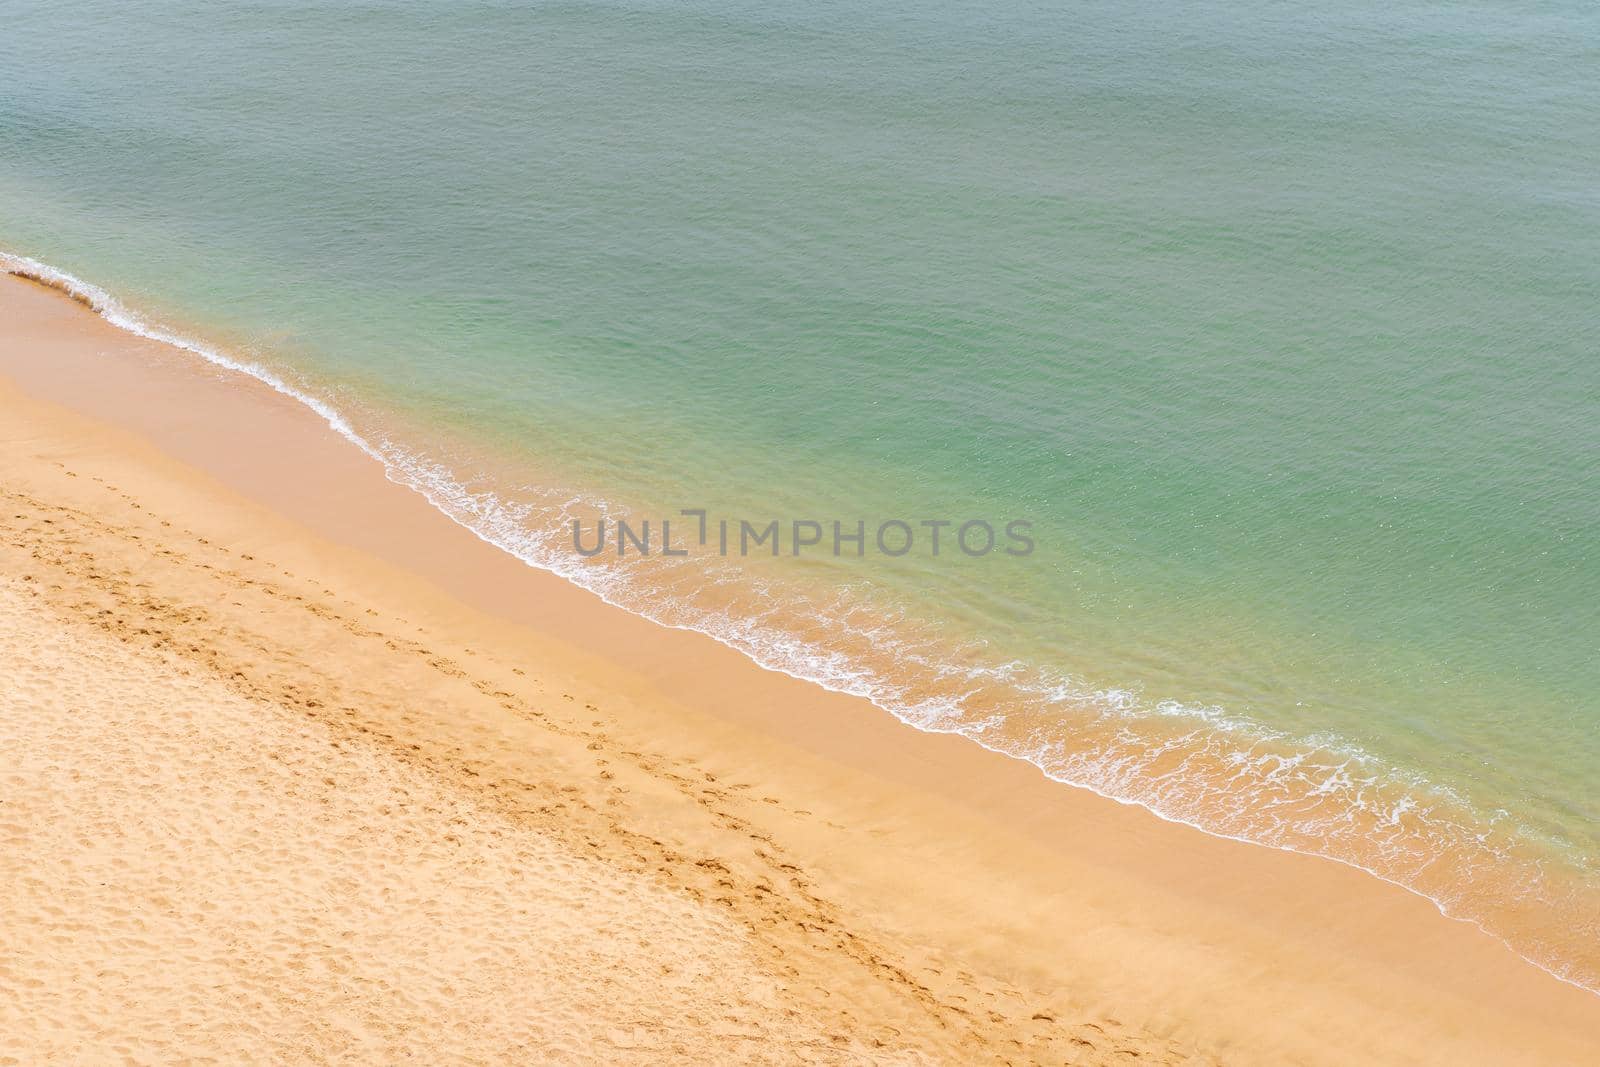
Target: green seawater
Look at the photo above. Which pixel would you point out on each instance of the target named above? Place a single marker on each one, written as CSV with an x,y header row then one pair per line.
x,y
1279,323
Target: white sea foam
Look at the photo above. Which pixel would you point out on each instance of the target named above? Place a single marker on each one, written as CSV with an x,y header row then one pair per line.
x,y
1318,795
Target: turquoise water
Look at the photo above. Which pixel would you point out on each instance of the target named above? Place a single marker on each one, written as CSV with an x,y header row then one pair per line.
x,y
1278,325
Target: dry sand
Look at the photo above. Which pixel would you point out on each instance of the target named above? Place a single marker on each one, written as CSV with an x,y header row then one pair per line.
x,y
294,769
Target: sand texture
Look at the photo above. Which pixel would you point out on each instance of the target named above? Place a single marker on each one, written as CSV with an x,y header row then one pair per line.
x,y
222,847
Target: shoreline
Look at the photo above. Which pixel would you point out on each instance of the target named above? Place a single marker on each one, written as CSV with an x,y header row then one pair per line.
x,y
1115,911
1495,912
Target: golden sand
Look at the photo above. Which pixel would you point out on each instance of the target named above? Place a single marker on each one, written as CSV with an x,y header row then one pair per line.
x,y
295,769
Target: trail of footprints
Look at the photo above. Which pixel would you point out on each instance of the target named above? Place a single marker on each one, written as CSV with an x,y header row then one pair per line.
x,y
769,895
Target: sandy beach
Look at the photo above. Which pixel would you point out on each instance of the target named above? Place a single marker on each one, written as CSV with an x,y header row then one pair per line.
x,y
297,770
